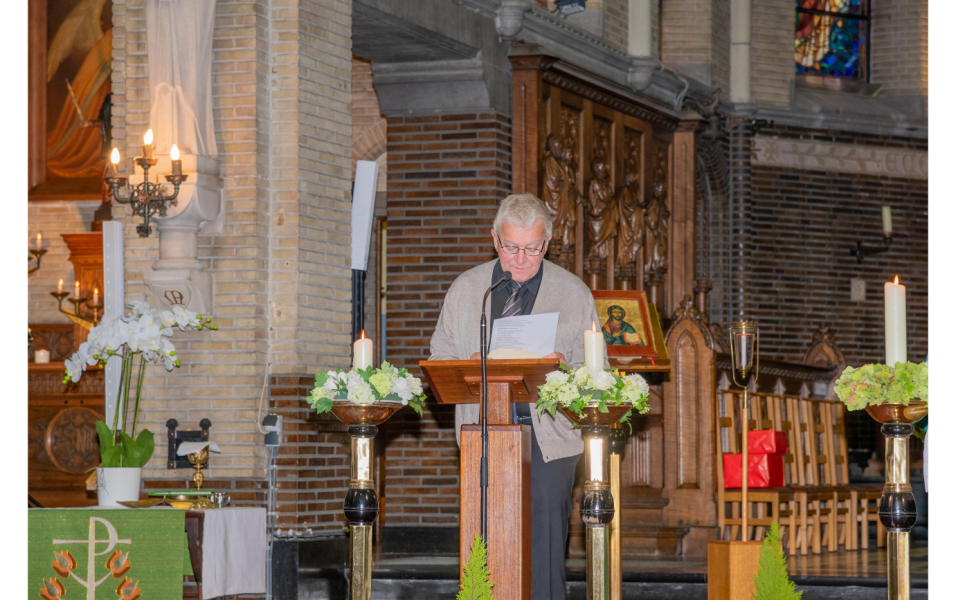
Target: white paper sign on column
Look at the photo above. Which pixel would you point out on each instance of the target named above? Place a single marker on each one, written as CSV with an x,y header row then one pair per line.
x,y
363,209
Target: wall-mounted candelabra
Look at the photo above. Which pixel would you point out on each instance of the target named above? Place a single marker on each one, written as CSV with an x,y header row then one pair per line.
x,y
36,254
861,252
94,304
146,199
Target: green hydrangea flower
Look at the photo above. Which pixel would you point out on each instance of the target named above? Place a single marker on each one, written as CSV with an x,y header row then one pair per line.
x,y
381,383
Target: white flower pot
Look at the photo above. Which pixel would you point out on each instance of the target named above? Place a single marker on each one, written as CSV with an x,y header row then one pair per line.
x,y
117,484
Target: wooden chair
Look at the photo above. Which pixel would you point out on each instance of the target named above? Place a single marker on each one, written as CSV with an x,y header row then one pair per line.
x,y
828,502
781,501
865,498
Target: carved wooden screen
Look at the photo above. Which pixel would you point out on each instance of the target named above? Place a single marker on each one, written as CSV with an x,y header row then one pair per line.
x,y
604,166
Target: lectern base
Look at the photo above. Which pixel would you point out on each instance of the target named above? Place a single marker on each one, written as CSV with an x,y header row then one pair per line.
x,y
509,505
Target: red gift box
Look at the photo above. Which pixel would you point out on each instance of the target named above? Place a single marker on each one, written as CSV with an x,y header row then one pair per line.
x,y
766,441
765,470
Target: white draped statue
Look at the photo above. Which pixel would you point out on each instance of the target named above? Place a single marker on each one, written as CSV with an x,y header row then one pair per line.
x,y
179,42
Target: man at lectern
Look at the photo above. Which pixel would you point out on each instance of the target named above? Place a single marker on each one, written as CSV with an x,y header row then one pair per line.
x,y
522,230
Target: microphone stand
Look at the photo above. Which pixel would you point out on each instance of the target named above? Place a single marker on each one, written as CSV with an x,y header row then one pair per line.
x,y
484,409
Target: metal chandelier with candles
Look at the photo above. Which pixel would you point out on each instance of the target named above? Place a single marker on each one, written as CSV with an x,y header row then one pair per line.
x,y
146,199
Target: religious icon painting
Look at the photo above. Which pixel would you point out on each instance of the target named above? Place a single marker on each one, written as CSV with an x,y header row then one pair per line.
x,y
626,323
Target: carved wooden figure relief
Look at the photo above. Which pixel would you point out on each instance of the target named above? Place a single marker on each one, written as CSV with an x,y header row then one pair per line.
x,y
602,213
556,196
630,240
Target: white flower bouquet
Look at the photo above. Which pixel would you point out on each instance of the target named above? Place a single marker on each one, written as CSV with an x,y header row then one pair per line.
x,y
366,386
575,389
144,332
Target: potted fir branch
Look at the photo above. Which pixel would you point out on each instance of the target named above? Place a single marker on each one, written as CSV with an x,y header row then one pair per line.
x,y
140,338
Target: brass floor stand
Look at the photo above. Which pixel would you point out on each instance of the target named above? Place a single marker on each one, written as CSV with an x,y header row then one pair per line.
x,y
897,509
616,444
597,511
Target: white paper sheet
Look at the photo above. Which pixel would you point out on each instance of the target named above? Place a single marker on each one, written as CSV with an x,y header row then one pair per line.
x,y
190,447
530,332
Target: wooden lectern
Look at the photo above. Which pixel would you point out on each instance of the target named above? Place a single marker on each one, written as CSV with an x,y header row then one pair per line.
x,y
509,462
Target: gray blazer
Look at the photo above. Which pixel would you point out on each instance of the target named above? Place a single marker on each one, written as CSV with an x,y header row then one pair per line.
x,y
457,337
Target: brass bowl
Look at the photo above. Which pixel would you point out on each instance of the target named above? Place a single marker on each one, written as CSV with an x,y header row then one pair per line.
x,y
364,414
148,503
899,413
591,415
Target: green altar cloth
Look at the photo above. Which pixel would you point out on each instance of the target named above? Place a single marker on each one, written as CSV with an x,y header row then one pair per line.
x,y
135,553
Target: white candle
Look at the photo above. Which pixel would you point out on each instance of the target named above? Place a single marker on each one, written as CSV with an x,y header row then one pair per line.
x,y
39,238
76,289
887,221
597,459
594,349
41,357
362,349
148,144
59,287
895,318
174,158
96,296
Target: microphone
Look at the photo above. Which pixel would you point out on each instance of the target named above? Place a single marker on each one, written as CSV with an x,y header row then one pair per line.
x,y
484,407
504,278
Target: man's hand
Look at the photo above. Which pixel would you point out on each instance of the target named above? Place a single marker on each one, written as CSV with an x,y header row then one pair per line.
x,y
617,333
556,355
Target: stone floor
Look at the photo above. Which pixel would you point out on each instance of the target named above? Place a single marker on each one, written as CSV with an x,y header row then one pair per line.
x,y
858,575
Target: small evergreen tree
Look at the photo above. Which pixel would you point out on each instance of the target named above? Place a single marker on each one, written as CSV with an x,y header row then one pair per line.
x,y
476,580
772,581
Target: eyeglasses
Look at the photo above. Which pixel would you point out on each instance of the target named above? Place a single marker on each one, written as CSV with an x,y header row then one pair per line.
x,y
527,251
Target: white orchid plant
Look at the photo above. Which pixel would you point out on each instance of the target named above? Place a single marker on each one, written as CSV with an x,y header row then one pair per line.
x,y
575,389
145,331
366,386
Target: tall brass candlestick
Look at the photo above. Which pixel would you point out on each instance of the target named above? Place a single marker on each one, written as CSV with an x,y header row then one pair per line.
x,y
361,501
898,505
616,445
597,512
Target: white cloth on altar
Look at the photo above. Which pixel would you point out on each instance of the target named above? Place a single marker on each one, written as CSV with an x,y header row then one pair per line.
x,y
234,548
179,44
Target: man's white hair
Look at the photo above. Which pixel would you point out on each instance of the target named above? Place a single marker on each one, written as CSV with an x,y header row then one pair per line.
x,y
522,210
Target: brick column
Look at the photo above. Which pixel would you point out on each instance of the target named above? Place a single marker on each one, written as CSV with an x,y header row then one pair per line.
x,y
446,176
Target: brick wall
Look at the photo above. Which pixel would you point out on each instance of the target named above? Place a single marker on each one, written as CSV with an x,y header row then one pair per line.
x,y
282,93
615,24
696,39
447,175
899,58
804,224
771,50
791,263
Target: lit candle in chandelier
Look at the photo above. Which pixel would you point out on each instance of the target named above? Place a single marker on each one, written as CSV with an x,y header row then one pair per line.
x,y
148,144
39,238
76,289
96,296
114,160
177,164
59,287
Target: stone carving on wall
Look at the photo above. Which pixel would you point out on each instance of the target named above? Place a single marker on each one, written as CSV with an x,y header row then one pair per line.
x,y
841,158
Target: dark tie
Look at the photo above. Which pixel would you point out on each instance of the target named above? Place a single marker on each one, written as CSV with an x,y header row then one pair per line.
x,y
513,304
512,308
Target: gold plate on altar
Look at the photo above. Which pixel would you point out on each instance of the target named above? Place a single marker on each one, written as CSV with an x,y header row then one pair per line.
x,y
148,503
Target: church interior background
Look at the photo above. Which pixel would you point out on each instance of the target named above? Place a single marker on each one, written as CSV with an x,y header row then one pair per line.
x,y
726,170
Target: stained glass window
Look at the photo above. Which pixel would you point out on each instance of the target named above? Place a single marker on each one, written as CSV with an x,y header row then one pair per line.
x,y
832,37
